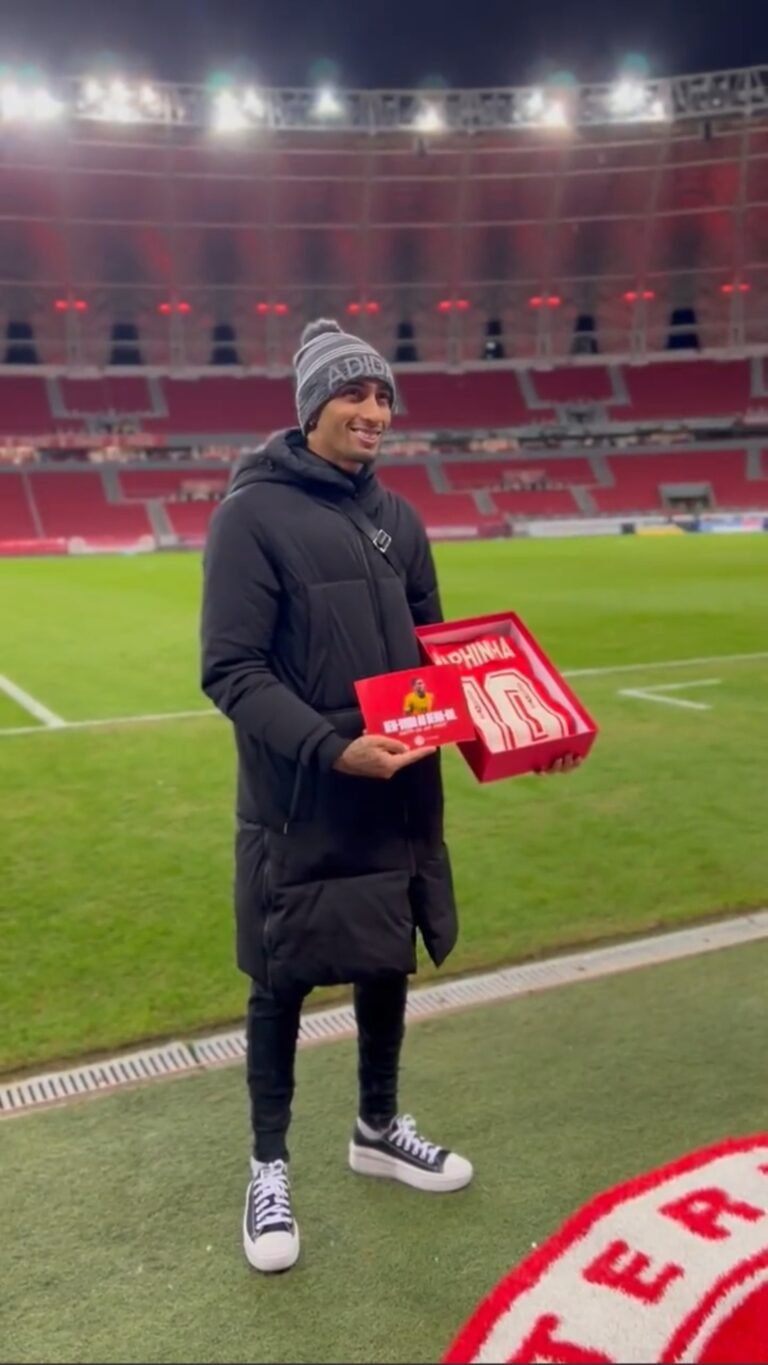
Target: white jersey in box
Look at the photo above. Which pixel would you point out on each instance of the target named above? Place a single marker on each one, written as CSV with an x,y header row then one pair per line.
x,y
510,706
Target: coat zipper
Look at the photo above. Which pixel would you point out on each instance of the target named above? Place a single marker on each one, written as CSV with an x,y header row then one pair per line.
x,y
371,580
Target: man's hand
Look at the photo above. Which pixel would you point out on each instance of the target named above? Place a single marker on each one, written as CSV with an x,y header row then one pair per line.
x,y
560,765
377,756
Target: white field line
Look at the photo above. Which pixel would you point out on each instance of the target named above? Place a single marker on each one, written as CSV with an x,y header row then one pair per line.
x,y
683,686
30,704
603,672
652,693
107,721
664,663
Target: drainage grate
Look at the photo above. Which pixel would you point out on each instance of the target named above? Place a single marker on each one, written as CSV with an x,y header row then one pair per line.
x,y
326,1024
225,1048
509,982
221,1050
152,1064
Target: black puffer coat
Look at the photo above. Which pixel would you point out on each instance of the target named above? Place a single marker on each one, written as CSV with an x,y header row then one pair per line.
x,y
333,873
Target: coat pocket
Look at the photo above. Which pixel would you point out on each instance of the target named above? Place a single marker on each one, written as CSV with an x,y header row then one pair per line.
x,y
326,933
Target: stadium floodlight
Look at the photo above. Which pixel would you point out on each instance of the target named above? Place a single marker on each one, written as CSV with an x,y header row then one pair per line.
x,y
234,112
150,100
228,113
253,104
555,115
633,100
118,106
429,120
534,105
542,111
42,106
327,103
627,98
27,104
118,101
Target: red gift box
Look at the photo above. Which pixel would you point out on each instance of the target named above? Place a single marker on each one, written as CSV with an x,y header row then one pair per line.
x,y
421,708
525,714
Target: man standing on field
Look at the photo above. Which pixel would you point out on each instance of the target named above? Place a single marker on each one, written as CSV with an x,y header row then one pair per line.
x,y
315,576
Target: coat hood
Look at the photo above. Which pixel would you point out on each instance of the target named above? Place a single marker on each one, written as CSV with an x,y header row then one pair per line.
x,y
285,458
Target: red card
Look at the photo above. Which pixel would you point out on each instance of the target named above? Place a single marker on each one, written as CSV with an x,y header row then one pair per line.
x,y
421,707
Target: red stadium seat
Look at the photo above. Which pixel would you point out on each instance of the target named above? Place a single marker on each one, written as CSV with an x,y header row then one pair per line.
x,y
141,484
481,399
543,502
687,388
119,394
228,405
478,474
24,407
190,519
638,480
578,384
72,503
410,481
16,519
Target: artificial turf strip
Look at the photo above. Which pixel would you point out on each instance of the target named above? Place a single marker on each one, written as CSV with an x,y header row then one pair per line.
x,y
121,1214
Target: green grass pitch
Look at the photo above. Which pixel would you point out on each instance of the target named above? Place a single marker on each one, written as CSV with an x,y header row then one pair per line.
x,y
115,856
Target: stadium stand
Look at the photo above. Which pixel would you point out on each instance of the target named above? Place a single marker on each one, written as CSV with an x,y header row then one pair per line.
x,y
445,402
16,519
229,404
24,407
453,496
538,503
685,389
75,504
118,395
490,474
639,481
410,481
580,384
489,400
451,510
189,520
593,345
142,484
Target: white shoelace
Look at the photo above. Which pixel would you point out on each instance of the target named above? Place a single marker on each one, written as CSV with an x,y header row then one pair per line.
x,y
404,1135
271,1196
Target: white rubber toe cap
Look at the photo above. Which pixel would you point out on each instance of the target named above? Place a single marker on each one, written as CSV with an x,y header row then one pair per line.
x,y
457,1170
273,1251
455,1174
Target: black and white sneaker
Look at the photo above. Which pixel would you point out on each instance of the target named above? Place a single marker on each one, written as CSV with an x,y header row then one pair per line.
x,y
399,1153
270,1231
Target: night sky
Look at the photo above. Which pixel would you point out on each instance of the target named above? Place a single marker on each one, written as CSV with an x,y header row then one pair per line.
x,y
385,42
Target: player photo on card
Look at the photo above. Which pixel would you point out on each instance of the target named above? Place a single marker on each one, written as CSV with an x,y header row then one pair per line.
x,y
427,708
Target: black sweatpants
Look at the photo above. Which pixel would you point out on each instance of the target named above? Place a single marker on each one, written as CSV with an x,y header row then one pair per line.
x,y
272,1031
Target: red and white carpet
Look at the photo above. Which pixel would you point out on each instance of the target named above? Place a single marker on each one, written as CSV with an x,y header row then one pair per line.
x,y
672,1266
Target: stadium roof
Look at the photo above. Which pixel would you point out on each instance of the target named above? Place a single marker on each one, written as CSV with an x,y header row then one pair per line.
x,y
177,227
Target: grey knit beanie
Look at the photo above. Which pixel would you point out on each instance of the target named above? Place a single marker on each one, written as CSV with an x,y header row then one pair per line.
x,y
326,360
